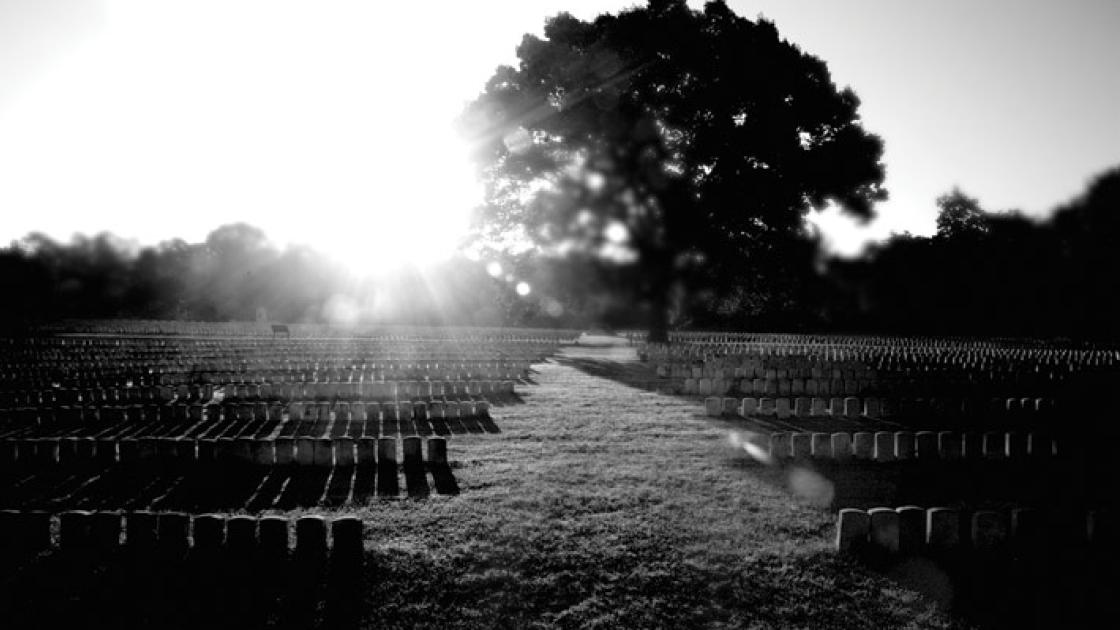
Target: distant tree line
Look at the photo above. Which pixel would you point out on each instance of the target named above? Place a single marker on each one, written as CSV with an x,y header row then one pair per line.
x,y
982,273
993,273
235,272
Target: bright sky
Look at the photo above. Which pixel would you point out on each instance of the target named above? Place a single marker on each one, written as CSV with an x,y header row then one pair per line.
x,y
328,123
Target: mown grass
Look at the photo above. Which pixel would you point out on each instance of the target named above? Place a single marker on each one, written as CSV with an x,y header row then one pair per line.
x,y
599,505
605,506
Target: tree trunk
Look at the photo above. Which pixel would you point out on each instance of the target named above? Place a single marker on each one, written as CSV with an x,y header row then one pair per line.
x,y
659,320
658,268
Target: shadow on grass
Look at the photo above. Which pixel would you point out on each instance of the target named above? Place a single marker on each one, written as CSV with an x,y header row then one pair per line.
x,y
230,486
416,481
644,586
314,423
508,578
387,483
1054,580
1046,583
443,479
506,400
542,583
193,589
972,484
630,373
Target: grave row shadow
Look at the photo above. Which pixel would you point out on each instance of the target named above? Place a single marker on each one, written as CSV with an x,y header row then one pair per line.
x,y
262,428
634,374
771,422
1047,584
642,376
1056,584
192,589
830,424
1009,587
1054,482
218,486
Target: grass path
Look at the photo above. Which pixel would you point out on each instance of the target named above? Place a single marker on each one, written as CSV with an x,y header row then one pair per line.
x,y
601,505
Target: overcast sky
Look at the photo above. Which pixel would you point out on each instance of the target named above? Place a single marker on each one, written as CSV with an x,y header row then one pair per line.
x,y
329,122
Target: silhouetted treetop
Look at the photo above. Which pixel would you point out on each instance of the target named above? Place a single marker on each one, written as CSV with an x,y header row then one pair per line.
x,y
960,216
1094,216
995,273
234,272
682,141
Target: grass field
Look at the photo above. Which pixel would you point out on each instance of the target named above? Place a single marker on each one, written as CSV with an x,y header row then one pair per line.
x,y
605,506
598,505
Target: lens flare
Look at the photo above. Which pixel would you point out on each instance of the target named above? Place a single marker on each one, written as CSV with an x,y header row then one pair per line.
x,y
553,308
617,232
811,486
753,444
341,310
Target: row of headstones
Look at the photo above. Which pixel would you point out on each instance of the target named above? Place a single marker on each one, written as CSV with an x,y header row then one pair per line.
x,y
424,342
884,375
280,451
714,369
165,332
908,445
783,344
80,530
382,390
784,407
813,364
836,387
851,406
375,390
403,410
235,357
271,368
780,387
282,367
197,412
913,530
143,380
757,362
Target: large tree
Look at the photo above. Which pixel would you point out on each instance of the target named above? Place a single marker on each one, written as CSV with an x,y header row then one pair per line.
x,y
686,144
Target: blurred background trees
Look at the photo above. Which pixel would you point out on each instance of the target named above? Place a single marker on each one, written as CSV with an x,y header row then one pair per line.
x,y
1003,273
982,273
230,275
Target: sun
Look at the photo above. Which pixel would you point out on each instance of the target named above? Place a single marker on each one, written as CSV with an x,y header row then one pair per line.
x,y
328,129
416,208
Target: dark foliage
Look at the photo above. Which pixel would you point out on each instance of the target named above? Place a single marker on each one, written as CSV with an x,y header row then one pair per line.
x,y
234,273
684,145
1000,274
995,274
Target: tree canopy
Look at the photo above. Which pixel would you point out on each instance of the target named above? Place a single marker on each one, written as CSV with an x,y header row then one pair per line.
x,y
235,271
960,216
1014,275
687,145
995,273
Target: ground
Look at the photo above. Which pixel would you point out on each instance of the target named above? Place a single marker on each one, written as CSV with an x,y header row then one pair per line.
x,y
599,504
605,505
